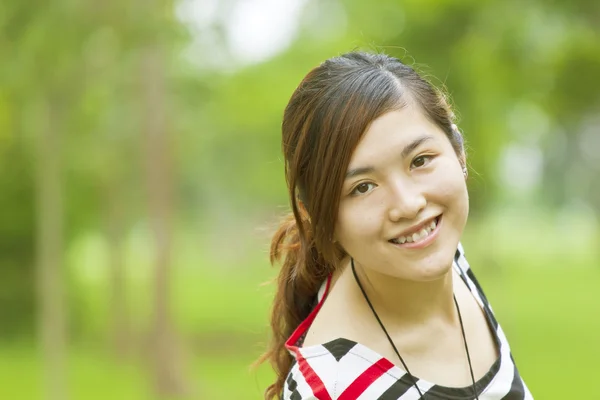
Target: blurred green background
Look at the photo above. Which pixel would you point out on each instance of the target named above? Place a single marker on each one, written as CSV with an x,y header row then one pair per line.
x,y
141,178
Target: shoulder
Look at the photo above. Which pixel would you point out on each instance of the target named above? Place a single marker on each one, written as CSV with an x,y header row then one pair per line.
x,y
468,276
337,369
340,315
318,369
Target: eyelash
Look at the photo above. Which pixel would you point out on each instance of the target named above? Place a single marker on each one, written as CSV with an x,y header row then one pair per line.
x,y
426,157
354,192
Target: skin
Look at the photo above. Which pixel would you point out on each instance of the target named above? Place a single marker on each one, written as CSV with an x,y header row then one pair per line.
x,y
404,171
395,190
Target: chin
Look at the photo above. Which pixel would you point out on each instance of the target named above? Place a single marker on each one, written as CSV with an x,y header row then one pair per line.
x,y
433,267
432,273
428,271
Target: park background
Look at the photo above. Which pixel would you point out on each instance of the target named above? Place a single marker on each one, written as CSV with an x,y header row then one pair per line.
x,y
141,177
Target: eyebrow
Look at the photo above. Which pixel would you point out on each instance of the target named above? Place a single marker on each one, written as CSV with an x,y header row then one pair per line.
x,y
409,148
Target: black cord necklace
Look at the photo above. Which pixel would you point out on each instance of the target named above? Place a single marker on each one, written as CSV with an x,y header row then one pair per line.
x,y
412,377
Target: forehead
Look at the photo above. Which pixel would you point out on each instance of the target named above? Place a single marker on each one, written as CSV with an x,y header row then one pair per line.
x,y
388,135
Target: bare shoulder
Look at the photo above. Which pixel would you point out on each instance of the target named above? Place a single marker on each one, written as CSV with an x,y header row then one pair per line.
x,y
337,318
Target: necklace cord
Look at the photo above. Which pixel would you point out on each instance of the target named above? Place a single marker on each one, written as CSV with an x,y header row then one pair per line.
x,y
383,328
413,378
466,347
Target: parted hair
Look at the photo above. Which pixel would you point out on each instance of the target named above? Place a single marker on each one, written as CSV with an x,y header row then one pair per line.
x,y
323,123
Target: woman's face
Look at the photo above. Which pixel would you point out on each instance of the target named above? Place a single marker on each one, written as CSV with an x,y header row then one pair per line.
x,y
404,201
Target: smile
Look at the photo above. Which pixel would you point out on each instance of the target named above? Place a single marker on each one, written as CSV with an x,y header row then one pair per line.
x,y
421,238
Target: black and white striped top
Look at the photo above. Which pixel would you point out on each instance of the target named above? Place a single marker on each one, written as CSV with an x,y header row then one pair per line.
x,y
346,370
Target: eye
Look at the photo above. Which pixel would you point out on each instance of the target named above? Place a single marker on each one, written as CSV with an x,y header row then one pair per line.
x,y
362,188
421,161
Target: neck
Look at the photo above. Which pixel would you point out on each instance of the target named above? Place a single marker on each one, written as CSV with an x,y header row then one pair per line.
x,y
403,301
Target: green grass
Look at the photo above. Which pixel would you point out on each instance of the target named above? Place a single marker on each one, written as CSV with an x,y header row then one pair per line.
x,y
95,375
545,297
552,320
92,375
231,378
550,317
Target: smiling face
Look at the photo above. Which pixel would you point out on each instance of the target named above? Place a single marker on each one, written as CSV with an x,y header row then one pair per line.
x,y
404,201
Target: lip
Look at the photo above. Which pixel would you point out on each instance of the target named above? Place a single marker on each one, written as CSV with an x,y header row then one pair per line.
x,y
427,240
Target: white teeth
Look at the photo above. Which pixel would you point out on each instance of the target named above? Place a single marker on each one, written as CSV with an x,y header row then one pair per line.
x,y
423,233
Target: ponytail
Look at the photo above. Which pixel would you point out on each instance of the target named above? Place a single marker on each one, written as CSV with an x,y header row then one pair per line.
x,y
303,270
323,123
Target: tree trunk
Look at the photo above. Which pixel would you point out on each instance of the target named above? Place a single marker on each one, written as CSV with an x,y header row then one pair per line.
x,y
168,376
50,272
118,301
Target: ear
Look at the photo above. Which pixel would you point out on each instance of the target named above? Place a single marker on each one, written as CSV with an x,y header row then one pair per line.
x,y
462,156
462,159
458,137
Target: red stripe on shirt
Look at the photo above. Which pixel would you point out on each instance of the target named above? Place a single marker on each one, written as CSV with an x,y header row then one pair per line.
x,y
365,379
311,377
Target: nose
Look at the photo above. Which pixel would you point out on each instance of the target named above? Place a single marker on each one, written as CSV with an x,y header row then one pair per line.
x,y
406,200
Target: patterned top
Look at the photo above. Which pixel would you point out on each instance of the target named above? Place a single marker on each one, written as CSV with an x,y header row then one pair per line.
x,y
346,370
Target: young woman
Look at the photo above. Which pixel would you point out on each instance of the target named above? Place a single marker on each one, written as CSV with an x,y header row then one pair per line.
x,y
375,299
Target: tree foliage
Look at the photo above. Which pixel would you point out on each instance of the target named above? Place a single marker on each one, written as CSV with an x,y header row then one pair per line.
x,y
522,77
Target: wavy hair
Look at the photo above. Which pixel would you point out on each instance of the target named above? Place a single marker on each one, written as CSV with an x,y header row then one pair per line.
x,y
323,122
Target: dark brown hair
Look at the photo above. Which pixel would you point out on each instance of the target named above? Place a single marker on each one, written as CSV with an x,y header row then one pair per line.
x,y
322,124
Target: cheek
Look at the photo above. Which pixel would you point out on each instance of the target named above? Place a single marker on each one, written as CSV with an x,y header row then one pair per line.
x,y
449,178
451,190
356,223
